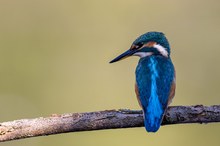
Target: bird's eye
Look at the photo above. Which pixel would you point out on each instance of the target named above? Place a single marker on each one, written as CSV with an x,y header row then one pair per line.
x,y
136,46
140,44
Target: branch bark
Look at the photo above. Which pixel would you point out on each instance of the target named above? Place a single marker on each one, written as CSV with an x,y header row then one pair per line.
x,y
109,119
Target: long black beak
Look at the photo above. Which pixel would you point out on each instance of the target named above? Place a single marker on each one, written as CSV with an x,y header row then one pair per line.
x,y
123,55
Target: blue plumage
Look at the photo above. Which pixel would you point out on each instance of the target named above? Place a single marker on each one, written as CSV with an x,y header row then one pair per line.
x,y
155,76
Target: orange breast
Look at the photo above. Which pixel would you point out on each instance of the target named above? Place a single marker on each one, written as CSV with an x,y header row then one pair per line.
x,y
138,95
172,90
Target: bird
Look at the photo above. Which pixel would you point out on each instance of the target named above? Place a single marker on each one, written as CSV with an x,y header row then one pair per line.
x,y
155,76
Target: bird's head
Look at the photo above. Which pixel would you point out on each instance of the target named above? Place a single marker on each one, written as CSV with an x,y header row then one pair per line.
x,y
150,43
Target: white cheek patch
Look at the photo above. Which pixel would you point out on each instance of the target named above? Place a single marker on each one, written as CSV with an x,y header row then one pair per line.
x,y
161,49
143,54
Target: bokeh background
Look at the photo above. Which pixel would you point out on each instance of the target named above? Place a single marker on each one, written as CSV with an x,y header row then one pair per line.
x,y
54,59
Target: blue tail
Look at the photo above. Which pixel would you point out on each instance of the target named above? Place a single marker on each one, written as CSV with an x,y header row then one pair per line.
x,y
153,115
152,124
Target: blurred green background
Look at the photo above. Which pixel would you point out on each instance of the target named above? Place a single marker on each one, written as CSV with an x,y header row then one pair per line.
x,y
54,59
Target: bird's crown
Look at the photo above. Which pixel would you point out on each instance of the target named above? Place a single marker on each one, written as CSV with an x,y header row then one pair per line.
x,y
148,44
155,40
152,38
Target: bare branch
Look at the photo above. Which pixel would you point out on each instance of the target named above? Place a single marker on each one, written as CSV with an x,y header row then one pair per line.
x,y
109,119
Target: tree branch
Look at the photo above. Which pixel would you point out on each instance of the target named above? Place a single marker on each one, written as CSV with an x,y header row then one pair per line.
x,y
109,119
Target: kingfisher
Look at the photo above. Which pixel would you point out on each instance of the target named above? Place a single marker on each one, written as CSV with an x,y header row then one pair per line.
x,y
155,76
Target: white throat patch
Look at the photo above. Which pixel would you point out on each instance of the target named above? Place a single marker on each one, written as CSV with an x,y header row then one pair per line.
x,y
161,49
143,54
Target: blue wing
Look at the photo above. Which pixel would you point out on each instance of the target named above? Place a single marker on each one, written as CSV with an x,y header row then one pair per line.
x,y
155,81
